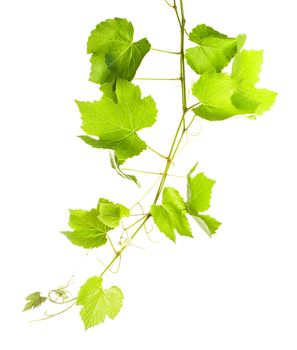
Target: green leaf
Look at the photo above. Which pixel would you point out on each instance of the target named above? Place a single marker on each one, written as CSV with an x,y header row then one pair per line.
x,y
117,124
199,192
88,231
215,49
223,96
111,214
198,200
247,66
108,90
114,54
171,215
34,300
214,91
115,165
97,303
207,223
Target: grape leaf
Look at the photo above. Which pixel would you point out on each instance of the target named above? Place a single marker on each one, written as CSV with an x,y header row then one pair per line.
x,y
97,303
215,49
108,90
246,67
198,200
223,96
34,300
90,227
116,166
88,231
245,71
171,215
111,214
114,54
116,124
214,91
207,223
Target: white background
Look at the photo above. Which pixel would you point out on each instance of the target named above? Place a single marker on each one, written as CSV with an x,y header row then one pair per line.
x,y
234,291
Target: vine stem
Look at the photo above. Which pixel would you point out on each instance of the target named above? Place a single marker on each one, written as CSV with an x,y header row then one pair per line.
x,y
180,132
119,253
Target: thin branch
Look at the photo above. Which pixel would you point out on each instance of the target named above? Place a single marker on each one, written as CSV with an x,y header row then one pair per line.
x,y
166,51
53,315
158,79
146,193
168,3
191,122
156,152
153,173
193,106
135,223
110,241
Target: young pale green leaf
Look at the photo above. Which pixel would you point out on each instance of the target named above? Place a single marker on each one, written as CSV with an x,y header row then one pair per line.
x,y
88,231
114,54
198,200
214,51
117,124
111,214
223,96
97,303
34,300
171,215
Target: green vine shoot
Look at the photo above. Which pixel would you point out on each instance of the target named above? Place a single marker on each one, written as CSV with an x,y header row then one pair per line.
x,y
112,123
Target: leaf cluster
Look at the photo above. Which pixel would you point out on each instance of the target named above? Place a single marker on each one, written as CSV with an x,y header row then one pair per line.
x,y
113,123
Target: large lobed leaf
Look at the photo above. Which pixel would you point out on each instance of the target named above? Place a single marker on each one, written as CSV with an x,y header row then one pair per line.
x,y
214,50
117,123
114,54
97,303
223,96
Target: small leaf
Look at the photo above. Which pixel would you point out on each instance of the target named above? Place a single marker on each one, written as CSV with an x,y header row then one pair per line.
x,y
111,214
171,215
215,49
199,192
117,124
97,303
34,300
114,54
207,223
198,200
